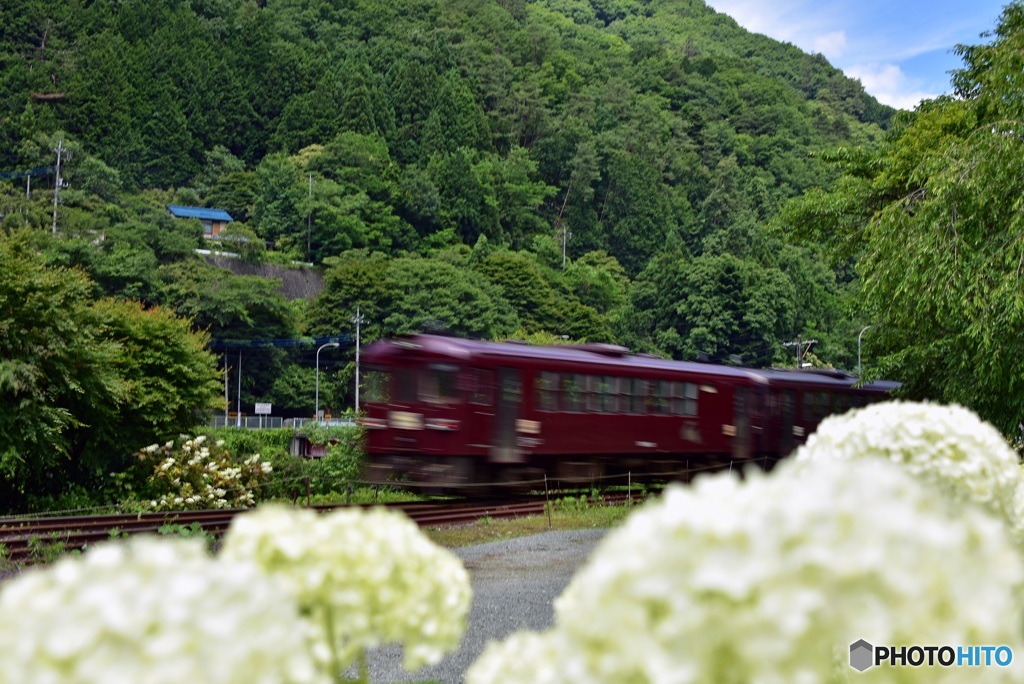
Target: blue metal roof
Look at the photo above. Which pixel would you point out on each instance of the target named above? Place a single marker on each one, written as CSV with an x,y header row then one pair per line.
x,y
199,213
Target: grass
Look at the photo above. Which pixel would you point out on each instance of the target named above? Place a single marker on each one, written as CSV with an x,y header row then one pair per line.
x,y
563,516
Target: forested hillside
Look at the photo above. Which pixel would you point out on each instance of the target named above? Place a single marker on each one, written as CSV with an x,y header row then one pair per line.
x,y
599,169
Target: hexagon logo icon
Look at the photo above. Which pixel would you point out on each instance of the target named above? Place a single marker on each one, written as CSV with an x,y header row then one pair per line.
x,y
862,655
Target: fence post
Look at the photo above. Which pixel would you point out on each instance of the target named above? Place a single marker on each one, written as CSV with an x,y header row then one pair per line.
x,y
547,499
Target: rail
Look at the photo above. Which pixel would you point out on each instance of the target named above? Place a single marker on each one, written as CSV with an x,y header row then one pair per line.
x,y
25,541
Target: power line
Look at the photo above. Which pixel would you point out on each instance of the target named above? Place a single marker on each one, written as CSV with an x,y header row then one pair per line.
x,y
343,340
37,171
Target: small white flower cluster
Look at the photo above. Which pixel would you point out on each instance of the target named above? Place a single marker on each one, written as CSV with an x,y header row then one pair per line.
x,y
364,578
730,581
948,446
159,611
196,477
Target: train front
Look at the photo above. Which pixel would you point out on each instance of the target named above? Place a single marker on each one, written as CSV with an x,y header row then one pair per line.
x,y
415,412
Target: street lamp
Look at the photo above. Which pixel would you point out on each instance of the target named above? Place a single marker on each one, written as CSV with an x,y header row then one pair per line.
x,y
866,327
316,407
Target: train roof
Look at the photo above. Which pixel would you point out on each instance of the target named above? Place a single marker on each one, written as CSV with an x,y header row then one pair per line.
x,y
823,378
609,357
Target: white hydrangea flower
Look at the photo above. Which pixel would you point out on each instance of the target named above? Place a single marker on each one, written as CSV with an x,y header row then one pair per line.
x,y
530,658
949,446
762,581
370,577
159,611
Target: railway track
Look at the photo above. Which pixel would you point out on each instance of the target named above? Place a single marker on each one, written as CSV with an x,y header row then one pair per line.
x,y
30,541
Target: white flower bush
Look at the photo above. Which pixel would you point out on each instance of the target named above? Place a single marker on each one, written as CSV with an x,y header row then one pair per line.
x,y
154,611
949,446
363,578
765,581
195,476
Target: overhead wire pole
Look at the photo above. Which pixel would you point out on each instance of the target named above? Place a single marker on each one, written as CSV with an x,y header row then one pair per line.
x,y
358,319
309,216
57,183
238,408
227,399
799,344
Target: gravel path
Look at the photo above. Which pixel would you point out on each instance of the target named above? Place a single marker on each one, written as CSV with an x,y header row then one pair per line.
x,y
515,583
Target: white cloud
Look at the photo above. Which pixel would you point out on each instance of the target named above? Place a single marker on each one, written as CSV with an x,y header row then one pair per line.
x,y
889,85
832,45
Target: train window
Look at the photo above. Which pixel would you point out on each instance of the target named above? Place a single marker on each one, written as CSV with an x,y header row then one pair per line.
x,y
438,384
405,386
816,405
595,388
825,405
511,388
658,401
684,398
376,386
546,386
481,387
641,390
572,392
809,402
610,394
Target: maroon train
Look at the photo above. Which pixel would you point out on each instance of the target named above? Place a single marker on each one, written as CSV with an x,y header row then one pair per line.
x,y
454,412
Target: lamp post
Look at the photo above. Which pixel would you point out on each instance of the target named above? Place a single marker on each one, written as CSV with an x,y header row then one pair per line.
x,y
316,407
866,327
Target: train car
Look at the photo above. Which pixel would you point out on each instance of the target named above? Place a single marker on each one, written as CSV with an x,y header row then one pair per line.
x,y
800,399
459,412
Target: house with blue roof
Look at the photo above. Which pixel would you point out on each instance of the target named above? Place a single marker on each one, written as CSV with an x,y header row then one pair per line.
x,y
213,220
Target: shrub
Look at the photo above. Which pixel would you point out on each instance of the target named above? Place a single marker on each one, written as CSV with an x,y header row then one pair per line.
x,y
193,476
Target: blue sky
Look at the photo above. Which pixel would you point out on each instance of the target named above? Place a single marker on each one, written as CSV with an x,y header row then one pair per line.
x,y
901,50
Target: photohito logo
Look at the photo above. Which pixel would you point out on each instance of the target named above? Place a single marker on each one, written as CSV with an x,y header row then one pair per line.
x,y
863,656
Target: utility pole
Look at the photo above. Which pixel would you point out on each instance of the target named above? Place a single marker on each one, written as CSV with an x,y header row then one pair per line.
x,y
799,344
309,216
227,399
58,182
558,221
238,408
358,320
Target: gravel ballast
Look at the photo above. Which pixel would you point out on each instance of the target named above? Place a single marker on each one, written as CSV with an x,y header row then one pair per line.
x,y
515,583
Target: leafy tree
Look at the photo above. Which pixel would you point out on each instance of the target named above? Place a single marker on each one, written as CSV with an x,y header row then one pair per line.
x,y
466,201
279,195
456,121
936,223
81,379
171,380
715,306
400,296
523,285
638,217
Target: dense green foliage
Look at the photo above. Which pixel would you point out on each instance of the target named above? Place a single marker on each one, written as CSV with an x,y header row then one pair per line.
x,y
601,170
933,219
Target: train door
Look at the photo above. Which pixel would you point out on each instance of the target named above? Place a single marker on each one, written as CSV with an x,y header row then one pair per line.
x,y
741,441
786,436
509,401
